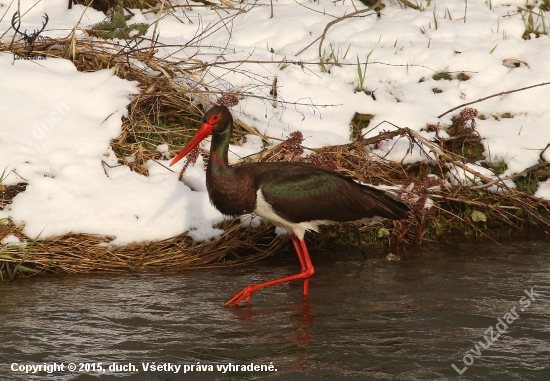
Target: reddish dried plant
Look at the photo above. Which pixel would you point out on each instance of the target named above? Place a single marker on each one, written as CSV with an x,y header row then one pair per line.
x,y
292,148
293,145
228,100
420,215
465,122
192,157
317,160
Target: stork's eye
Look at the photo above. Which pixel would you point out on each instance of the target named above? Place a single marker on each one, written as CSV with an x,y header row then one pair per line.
x,y
214,118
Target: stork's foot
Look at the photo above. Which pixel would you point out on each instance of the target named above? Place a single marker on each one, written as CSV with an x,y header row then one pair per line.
x,y
307,271
245,293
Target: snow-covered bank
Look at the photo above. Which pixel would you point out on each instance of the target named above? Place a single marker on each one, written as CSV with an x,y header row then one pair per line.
x,y
56,123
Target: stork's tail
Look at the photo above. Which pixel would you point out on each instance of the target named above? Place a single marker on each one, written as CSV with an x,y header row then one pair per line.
x,y
388,205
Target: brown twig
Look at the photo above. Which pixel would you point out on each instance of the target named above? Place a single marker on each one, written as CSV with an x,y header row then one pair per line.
x,y
316,11
227,3
494,95
514,176
207,3
333,22
410,5
202,65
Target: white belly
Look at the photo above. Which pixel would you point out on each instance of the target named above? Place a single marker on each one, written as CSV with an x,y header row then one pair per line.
x,y
264,209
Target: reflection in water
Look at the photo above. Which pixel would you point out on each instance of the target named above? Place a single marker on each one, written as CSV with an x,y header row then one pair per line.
x,y
365,319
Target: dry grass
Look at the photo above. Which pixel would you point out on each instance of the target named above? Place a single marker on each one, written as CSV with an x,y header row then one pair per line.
x,y
73,253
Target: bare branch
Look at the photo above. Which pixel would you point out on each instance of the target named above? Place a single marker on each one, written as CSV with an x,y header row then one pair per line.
x,y
515,175
492,96
336,21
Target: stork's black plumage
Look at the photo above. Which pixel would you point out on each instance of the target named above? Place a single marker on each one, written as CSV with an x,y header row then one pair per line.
x,y
295,196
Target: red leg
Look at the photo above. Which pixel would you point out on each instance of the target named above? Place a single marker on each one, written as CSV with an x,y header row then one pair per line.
x,y
307,271
301,257
308,266
298,249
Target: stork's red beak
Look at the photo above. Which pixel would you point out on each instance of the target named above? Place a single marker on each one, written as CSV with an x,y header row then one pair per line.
x,y
204,130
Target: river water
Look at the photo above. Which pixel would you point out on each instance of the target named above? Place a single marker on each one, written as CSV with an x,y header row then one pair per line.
x,y
366,319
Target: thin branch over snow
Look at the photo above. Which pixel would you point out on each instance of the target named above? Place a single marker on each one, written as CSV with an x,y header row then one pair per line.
x,y
492,96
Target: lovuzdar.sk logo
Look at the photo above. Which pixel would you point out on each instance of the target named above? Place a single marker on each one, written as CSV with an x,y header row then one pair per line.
x,y
28,38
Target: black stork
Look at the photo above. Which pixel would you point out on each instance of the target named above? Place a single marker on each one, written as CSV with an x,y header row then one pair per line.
x,y
294,196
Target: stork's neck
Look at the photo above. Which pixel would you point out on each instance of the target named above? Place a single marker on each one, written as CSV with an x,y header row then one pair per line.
x,y
218,151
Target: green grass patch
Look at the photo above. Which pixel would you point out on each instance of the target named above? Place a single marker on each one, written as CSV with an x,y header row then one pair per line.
x,y
535,22
470,152
443,75
4,174
358,123
462,77
10,268
498,165
529,183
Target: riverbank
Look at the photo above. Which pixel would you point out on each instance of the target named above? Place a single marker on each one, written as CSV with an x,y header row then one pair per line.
x,y
93,192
